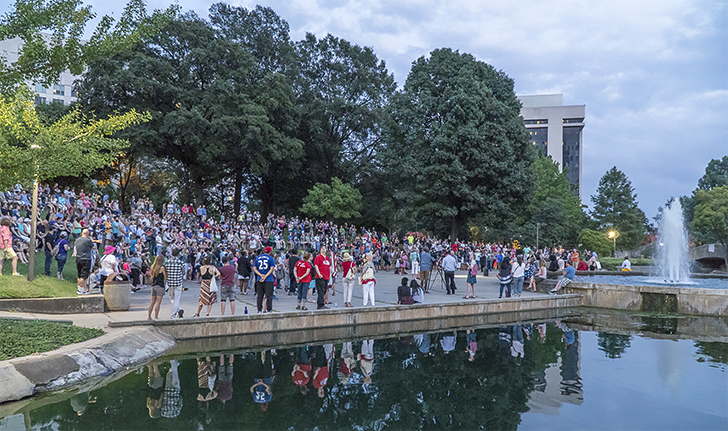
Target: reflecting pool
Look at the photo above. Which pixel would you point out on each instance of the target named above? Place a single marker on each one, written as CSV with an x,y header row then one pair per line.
x,y
643,280
529,376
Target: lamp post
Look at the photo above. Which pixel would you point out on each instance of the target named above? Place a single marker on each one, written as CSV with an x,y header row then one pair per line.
x,y
613,234
33,222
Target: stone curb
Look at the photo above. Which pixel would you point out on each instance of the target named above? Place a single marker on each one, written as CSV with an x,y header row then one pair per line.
x,y
73,364
79,305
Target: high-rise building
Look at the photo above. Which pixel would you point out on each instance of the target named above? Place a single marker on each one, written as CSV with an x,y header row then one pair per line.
x,y
549,124
62,91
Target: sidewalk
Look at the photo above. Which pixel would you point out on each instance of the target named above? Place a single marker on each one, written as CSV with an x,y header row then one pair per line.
x,y
386,294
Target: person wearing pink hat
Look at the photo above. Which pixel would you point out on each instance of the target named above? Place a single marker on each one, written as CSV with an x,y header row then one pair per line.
x,y
109,264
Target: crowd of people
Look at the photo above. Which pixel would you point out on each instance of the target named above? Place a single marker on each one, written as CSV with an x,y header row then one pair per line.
x,y
250,252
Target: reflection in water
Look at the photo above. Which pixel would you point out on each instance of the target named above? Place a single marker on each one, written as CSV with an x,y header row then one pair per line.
x,y
461,380
670,366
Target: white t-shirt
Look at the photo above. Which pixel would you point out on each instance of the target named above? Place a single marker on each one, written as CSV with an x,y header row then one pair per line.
x,y
626,264
108,264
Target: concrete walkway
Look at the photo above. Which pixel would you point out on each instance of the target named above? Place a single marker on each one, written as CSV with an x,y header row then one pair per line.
x,y
386,294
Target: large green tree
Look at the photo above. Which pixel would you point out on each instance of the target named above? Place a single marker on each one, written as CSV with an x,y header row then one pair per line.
x,y
710,222
337,202
458,149
716,175
616,207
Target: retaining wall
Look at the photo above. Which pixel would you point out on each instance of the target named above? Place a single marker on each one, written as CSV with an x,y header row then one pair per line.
x,y
78,305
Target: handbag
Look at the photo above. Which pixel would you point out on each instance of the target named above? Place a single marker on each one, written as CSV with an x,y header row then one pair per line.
x,y
213,285
350,274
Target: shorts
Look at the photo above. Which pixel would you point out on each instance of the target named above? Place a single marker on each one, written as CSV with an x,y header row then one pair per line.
x,y
157,291
8,253
565,281
83,268
226,293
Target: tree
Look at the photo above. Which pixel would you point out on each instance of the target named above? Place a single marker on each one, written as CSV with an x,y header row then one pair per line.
x,y
43,58
338,201
615,207
710,222
457,146
613,345
716,175
595,240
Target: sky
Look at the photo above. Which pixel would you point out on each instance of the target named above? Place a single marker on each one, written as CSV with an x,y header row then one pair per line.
x,y
653,74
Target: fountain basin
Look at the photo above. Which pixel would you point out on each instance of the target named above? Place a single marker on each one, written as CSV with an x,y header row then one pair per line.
x,y
653,280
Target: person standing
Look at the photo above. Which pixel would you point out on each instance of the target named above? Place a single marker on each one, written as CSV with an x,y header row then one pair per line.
x,y
505,276
519,273
292,282
49,242
136,272
207,273
415,262
175,272
62,254
84,255
367,281
472,277
158,277
263,269
244,270
349,271
228,274
425,267
302,275
322,265
449,264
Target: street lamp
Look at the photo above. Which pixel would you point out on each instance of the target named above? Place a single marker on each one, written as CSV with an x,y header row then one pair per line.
x,y
613,234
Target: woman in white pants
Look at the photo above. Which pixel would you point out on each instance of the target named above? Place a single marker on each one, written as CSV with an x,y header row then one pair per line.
x,y
349,271
367,280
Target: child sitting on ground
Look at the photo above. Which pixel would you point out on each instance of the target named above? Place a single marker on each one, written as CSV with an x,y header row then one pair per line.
x,y
404,294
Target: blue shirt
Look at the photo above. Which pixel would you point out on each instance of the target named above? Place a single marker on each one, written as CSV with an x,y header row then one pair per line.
x,y
263,264
425,261
570,272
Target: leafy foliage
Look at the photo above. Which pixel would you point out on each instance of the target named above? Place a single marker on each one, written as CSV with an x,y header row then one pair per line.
x,y
43,58
613,345
615,207
595,240
457,147
710,222
337,201
23,337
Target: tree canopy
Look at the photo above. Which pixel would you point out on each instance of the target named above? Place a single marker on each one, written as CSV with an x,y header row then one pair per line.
x,y
615,207
338,201
710,222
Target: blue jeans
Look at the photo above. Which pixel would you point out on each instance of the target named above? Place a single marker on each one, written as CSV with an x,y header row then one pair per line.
x,y
61,259
48,263
302,291
508,290
517,285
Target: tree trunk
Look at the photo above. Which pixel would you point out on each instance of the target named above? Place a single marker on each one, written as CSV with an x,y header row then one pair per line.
x,y
198,194
236,197
454,227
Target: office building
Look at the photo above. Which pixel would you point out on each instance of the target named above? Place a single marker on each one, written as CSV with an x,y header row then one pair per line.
x,y
62,91
549,124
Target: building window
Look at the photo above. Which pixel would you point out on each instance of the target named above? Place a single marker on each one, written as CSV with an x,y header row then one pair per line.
x,y
528,122
572,120
57,101
74,92
59,89
39,88
570,153
539,137
39,100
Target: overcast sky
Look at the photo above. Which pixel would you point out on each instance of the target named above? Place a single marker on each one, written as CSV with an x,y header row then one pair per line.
x,y
652,74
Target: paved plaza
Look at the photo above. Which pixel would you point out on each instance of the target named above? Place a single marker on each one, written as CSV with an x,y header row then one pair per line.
x,y
386,294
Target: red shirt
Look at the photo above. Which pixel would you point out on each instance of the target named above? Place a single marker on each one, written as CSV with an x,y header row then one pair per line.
x,y
346,266
301,374
324,266
320,377
301,267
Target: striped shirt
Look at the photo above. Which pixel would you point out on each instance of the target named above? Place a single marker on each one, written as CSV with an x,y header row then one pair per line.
x,y
175,272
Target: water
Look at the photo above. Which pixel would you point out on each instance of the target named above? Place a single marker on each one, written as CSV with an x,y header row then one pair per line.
x,y
673,260
539,376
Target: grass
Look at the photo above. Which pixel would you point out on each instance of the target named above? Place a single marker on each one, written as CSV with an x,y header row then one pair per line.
x,y
41,286
25,337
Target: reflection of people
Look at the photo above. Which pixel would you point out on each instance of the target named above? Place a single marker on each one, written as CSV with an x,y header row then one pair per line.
x,y
206,378
171,399
261,390
448,342
225,379
472,344
79,402
156,389
542,333
347,362
366,360
301,370
320,364
517,350
425,343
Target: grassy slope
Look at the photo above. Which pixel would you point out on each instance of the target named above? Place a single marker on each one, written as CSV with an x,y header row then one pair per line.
x,y
25,337
41,287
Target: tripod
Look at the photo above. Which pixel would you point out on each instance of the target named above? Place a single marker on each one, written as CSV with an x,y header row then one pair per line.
x,y
435,273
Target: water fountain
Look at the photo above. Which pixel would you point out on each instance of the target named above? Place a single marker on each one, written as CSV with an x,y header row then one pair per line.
x,y
673,261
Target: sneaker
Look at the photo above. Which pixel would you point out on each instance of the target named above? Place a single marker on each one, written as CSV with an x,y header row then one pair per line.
x,y
17,274
181,313
79,291
304,308
323,307
298,307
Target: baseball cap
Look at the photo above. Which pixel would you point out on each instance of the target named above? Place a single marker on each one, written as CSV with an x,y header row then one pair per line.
x,y
268,250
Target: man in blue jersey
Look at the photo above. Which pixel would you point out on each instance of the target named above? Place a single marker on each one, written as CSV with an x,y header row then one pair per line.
x,y
263,269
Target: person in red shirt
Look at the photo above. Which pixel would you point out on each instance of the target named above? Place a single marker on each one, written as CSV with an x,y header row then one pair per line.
x,y
320,370
303,278
322,265
301,370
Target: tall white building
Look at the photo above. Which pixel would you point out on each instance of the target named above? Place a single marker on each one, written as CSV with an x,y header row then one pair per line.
x,y
557,130
62,91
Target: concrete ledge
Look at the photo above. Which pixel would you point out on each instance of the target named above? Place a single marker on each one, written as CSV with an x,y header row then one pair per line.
x,y
78,305
76,363
186,329
690,300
